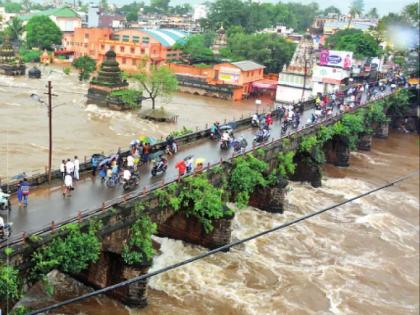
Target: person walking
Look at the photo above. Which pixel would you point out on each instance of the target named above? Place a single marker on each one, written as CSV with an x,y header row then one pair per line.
x,y
76,168
69,167
63,168
68,185
24,186
20,194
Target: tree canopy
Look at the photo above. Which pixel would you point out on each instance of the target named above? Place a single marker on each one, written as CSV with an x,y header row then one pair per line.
x,y
331,9
270,50
86,65
253,16
195,50
14,29
159,81
12,7
42,33
360,43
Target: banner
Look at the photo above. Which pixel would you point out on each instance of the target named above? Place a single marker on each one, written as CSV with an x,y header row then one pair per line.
x,y
329,75
229,75
336,58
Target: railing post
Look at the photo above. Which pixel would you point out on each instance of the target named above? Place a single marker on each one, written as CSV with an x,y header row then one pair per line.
x,y
79,216
24,237
52,226
103,205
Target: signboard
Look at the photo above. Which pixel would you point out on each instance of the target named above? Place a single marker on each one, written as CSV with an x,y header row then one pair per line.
x,y
329,75
229,75
336,58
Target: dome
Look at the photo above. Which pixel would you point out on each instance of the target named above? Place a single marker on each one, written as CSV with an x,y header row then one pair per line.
x,y
110,54
34,73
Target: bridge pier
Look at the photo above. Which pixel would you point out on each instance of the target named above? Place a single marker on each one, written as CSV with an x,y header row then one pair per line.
x,y
189,229
307,170
337,152
270,199
382,131
111,269
365,142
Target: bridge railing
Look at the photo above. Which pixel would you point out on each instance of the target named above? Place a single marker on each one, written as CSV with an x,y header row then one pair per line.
x,y
87,213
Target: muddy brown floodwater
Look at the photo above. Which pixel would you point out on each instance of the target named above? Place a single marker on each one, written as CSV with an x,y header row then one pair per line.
x,y
362,258
82,129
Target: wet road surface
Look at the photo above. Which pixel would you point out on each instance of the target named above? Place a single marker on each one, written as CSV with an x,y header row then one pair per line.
x,y
47,205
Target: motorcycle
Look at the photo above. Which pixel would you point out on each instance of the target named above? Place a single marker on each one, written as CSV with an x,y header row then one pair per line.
x,y
255,123
224,145
5,203
262,138
285,126
133,182
295,123
214,136
113,181
159,167
239,145
5,232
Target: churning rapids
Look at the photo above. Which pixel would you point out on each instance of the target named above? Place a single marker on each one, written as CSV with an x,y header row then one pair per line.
x,y
362,258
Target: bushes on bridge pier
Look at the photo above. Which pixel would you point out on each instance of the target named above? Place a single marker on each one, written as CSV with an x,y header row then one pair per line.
x,y
10,284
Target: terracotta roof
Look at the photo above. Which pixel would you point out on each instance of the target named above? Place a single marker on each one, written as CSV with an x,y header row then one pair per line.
x,y
248,65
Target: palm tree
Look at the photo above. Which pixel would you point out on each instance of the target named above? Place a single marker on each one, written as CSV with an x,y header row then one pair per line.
x,y
15,29
356,8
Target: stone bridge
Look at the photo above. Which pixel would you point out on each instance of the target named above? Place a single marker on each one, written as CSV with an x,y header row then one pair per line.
x,y
118,216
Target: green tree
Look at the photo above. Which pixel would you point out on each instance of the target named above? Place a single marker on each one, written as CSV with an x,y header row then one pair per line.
x,y
356,9
411,13
373,13
86,65
42,33
331,9
159,81
9,283
182,9
268,49
160,6
14,29
12,7
195,50
360,43
103,5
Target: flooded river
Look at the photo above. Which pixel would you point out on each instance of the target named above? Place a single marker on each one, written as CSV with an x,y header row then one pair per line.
x,y
82,129
362,258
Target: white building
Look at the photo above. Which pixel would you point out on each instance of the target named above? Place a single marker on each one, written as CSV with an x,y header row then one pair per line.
x,y
200,12
5,18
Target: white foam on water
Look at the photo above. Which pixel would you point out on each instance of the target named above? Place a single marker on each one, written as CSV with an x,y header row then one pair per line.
x,y
368,158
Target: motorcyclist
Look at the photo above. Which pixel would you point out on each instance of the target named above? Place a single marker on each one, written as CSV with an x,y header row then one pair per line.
x,y
214,130
259,135
255,121
265,134
126,175
162,162
1,226
226,138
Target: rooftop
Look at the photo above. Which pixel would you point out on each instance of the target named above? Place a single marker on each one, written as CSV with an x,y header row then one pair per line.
x,y
248,65
65,12
354,24
167,37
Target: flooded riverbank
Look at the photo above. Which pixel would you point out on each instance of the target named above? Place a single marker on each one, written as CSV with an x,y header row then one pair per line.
x,y
83,129
362,258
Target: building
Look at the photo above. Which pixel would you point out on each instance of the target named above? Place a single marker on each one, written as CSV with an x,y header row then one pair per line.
x,y
134,47
200,12
5,18
112,21
332,71
331,27
295,82
93,16
233,81
65,18
220,41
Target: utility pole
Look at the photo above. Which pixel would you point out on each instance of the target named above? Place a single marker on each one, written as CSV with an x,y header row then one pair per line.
x,y
49,93
304,74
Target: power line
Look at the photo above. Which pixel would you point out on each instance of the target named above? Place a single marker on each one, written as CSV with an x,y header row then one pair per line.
x,y
219,249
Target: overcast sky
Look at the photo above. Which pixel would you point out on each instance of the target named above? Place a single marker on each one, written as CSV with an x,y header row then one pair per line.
x,y
383,6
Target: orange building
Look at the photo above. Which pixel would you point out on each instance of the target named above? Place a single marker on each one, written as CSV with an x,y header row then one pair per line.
x,y
235,81
132,46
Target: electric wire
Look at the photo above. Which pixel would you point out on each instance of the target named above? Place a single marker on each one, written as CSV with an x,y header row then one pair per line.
x,y
219,249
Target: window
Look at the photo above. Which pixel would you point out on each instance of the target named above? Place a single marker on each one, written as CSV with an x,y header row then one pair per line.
x,y
142,51
115,37
86,35
102,47
86,45
112,48
126,38
132,50
146,40
122,48
133,62
124,61
136,39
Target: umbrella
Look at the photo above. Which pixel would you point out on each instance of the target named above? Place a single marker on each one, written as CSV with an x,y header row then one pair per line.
x,y
146,139
104,161
226,127
188,157
200,161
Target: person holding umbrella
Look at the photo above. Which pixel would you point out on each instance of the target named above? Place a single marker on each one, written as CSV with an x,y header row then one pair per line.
x,y
199,165
181,166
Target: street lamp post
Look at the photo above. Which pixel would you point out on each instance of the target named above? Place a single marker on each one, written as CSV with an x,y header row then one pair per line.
x,y
37,98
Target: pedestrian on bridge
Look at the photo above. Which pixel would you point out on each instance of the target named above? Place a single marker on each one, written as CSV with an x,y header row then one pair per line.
x,y
69,167
63,168
25,191
76,168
